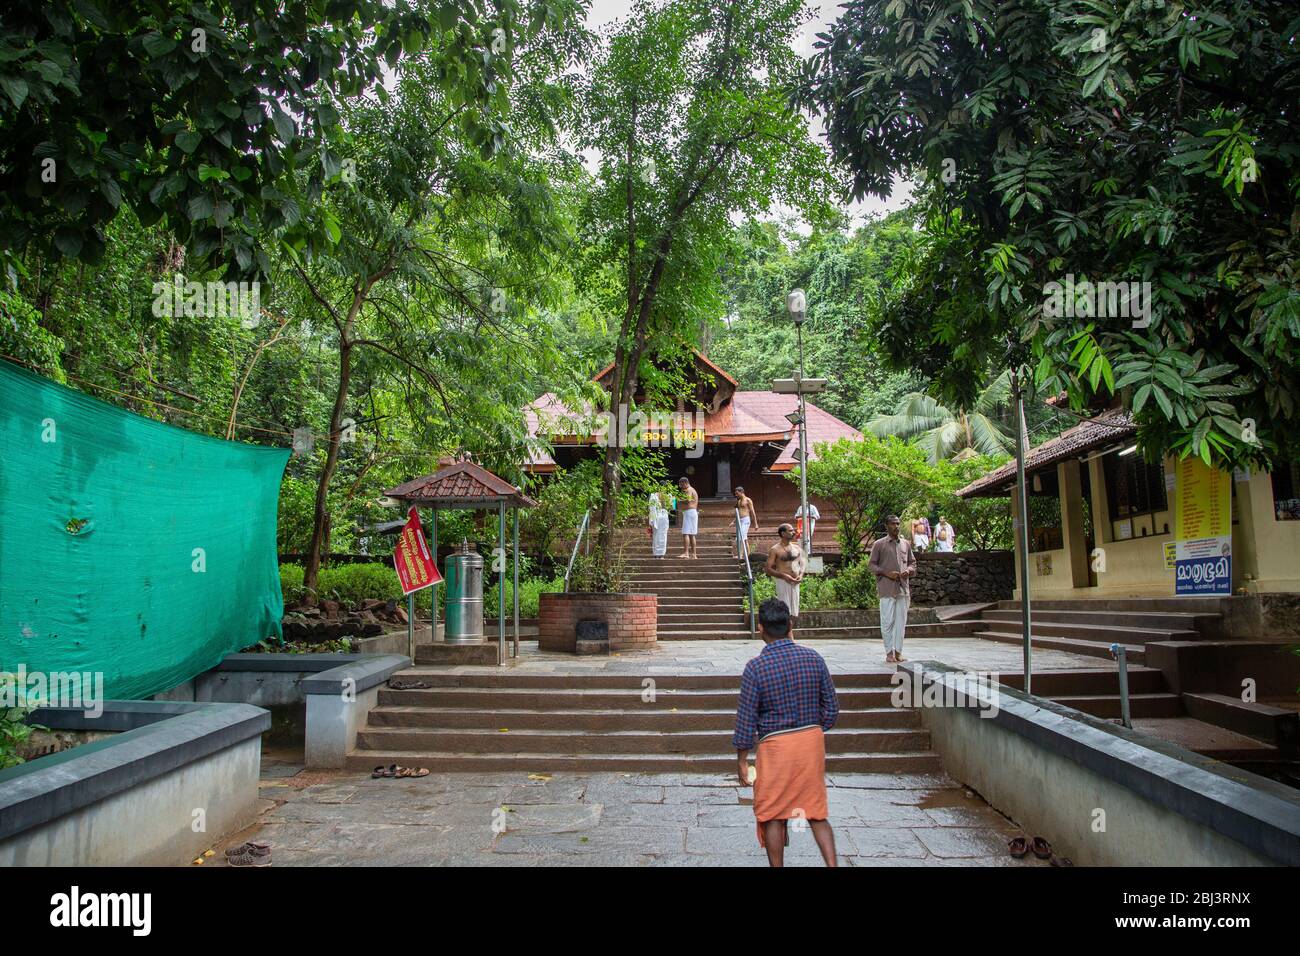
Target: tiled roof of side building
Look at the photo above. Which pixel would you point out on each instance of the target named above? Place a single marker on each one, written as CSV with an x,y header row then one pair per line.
x,y
1104,429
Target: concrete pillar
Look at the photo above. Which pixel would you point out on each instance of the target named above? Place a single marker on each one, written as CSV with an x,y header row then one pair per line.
x,y
1070,484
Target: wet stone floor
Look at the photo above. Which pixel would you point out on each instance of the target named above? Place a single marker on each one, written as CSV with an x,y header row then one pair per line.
x,y
314,818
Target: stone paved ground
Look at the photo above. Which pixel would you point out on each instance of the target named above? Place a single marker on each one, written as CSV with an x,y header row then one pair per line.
x,y
339,818
609,819
842,656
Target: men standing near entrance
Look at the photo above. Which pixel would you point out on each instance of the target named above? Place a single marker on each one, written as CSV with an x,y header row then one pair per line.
x,y
689,503
745,509
785,563
787,703
893,563
944,536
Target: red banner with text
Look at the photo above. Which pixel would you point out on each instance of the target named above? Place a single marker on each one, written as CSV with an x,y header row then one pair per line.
x,y
416,567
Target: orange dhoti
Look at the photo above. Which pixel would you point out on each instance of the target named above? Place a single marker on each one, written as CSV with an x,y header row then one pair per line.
x,y
791,781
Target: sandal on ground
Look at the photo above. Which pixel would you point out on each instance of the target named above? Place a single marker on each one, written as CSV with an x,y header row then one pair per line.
x,y
251,858
899,658
412,772
1042,849
381,771
1019,847
409,684
236,850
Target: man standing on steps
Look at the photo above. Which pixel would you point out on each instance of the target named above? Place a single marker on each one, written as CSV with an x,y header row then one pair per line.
x,y
745,508
787,703
689,503
785,563
894,565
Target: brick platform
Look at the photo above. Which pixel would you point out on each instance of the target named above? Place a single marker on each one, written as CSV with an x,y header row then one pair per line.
x,y
632,619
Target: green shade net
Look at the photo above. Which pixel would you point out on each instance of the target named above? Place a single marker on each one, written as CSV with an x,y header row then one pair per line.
x,y
128,547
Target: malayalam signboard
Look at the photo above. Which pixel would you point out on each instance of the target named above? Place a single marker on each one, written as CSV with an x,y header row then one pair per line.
x,y
1202,529
416,568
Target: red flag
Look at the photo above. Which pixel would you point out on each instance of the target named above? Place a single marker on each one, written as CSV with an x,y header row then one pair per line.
x,y
416,567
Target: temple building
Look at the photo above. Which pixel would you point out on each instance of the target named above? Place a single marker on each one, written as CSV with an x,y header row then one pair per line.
x,y
719,436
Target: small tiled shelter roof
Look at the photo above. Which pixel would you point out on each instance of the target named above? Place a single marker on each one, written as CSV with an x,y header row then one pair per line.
x,y
1098,432
462,484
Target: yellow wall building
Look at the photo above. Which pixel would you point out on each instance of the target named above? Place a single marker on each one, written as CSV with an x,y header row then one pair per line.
x,y
1102,519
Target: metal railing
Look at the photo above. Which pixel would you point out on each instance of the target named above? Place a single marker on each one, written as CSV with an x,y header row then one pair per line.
x,y
577,543
742,552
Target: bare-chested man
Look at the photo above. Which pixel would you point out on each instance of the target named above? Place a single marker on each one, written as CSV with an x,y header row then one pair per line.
x,y
689,505
785,563
748,518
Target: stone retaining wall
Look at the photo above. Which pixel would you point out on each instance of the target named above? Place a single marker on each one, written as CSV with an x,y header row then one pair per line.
x,y
632,619
963,577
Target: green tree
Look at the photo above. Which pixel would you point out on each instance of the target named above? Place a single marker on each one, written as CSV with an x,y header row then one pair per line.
x,y
222,118
687,107
1117,141
944,433
867,481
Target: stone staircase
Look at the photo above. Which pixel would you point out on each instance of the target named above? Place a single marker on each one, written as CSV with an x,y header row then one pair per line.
x,y
1090,627
699,600
535,722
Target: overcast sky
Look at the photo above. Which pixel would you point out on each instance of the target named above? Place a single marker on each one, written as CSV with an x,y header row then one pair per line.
x,y
603,12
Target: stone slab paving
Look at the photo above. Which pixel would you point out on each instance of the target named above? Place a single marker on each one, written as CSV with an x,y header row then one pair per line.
x,y
315,818
729,657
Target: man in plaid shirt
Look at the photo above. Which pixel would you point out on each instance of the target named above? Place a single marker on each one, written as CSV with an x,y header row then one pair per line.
x,y
787,703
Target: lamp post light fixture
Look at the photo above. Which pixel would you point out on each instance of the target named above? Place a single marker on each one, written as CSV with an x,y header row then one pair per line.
x,y
797,303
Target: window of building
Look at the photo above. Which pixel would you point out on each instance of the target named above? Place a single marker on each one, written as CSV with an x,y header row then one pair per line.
x,y
1286,491
1133,486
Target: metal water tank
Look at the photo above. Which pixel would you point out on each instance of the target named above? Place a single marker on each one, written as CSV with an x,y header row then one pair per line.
x,y
464,610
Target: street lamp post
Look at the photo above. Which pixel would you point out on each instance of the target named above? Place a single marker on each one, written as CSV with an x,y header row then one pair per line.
x,y
797,304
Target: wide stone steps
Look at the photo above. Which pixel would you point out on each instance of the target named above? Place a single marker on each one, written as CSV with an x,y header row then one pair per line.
x,y
626,742
1184,624
604,722
1092,631
1135,653
602,698
916,762
651,719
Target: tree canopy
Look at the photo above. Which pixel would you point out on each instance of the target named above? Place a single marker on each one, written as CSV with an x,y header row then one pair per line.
x,y
1114,142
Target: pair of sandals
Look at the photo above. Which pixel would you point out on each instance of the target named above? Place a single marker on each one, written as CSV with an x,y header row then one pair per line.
x,y
249,854
1021,847
394,771
893,657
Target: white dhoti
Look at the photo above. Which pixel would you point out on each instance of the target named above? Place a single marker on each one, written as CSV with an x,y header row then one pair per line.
x,y
893,620
659,535
744,528
789,593
691,521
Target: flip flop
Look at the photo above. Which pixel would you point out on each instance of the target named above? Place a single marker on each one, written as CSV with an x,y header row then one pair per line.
x,y
381,771
1042,849
412,772
1018,847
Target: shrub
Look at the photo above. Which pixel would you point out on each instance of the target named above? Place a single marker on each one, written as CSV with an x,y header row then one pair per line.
x,y
291,576
855,586
14,732
530,591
